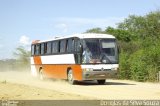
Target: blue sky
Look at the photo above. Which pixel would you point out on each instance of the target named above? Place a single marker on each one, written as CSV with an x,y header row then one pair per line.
x,y
22,21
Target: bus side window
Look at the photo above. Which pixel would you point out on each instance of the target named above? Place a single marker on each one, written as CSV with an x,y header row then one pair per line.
x,y
66,46
58,48
42,48
73,45
69,45
33,50
37,52
77,45
45,48
77,50
55,48
62,46
49,46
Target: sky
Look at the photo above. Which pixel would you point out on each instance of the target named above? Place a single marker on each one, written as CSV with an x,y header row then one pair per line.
x,y
22,21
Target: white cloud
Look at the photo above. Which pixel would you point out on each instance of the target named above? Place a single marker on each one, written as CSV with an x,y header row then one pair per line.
x,y
62,26
24,40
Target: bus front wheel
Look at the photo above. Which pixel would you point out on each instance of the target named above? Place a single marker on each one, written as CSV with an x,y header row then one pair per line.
x,y
101,82
70,77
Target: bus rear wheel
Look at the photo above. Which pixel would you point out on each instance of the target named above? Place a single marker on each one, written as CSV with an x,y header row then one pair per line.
x,y
70,77
101,82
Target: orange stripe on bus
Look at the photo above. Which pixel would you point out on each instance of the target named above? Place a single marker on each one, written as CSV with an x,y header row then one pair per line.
x,y
60,71
37,60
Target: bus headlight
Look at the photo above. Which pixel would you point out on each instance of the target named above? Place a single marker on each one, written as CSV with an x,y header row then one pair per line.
x,y
87,69
114,69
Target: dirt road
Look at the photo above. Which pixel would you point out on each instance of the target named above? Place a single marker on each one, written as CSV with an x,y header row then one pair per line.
x,y
50,89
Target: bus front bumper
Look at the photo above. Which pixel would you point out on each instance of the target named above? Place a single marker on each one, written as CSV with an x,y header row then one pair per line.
x,y
99,74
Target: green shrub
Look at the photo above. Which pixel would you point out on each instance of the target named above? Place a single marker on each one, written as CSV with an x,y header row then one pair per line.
x,y
124,72
138,66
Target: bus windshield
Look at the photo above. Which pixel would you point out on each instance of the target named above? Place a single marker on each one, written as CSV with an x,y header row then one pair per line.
x,y
100,51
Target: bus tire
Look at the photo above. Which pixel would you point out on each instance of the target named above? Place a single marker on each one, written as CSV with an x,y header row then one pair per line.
x,y
101,82
41,75
70,77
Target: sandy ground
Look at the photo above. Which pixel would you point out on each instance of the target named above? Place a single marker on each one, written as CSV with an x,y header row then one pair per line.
x,y
13,91
20,85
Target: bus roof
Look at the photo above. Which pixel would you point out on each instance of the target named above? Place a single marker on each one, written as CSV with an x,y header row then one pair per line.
x,y
81,36
92,35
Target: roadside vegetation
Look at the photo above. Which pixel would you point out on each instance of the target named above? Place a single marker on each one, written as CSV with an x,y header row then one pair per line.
x,y
139,43
21,62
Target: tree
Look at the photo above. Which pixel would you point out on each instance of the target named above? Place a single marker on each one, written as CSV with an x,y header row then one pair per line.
x,y
143,27
94,30
120,34
144,58
22,57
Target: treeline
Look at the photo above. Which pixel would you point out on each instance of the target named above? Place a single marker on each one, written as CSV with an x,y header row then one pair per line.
x,y
139,42
20,63
7,64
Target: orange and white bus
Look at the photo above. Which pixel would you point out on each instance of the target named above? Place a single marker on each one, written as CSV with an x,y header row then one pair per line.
x,y
78,57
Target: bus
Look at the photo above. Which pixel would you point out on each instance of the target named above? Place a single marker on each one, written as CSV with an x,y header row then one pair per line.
x,y
79,57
